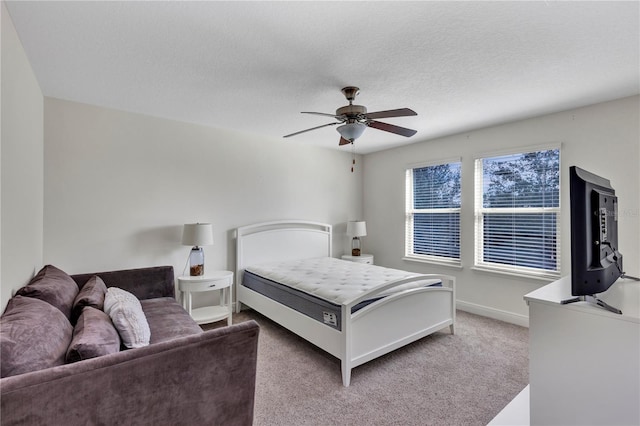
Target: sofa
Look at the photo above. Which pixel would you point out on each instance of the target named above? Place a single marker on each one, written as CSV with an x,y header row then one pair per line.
x,y
62,363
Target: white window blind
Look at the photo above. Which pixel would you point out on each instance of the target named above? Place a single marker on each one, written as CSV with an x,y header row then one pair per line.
x,y
517,213
433,213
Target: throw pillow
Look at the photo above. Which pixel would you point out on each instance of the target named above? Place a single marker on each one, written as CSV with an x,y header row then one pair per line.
x,y
53,286
128,317
94,335
33,335
91,294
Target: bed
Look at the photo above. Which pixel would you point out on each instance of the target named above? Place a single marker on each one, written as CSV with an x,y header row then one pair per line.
x,y
359,325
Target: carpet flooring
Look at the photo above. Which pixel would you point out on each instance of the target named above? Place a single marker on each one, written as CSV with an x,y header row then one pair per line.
x,y
442,379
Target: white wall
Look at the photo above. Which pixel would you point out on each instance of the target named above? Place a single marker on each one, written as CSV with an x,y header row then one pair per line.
x,y
119,186
21,153
602,138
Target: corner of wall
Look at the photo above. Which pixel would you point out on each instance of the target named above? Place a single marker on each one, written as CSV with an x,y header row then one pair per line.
x,y
21,164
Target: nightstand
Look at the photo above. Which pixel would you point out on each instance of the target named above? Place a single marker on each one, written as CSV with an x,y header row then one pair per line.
x,y
363,258
215,281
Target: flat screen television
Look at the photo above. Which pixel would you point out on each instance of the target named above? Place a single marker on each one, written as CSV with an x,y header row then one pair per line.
x,y
596,262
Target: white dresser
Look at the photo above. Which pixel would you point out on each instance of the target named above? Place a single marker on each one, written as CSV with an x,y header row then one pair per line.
x,y
584,361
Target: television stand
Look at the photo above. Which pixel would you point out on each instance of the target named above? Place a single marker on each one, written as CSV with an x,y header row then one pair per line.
x,y
594,301
599,302
624,275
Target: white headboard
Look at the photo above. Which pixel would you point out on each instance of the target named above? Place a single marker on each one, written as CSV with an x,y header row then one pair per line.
x,y
280,240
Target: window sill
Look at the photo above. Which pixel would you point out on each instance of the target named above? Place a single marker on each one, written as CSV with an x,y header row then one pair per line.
x,y
448,264
540,277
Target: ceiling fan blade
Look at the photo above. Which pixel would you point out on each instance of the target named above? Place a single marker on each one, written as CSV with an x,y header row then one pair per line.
x,y
402,112
308,130
392,128
322,113
344,141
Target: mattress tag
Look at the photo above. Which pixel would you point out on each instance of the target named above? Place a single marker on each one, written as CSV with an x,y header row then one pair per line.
x,y
330,318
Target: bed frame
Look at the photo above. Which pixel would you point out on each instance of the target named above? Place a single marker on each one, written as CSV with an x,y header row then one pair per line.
x,y
377,329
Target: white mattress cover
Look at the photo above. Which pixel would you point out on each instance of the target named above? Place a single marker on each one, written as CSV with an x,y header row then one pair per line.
x,y
334,280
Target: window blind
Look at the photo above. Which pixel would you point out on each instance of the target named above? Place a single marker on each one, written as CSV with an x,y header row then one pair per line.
x,y
433,212
517,213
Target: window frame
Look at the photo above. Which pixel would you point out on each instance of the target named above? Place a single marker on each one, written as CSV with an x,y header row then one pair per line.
x,y
480,211
410,212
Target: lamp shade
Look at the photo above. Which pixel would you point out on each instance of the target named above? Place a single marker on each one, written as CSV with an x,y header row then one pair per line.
x,y
351,131
356,229
197,234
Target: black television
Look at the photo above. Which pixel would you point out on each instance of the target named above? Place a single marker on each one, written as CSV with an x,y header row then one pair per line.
x,y
596,262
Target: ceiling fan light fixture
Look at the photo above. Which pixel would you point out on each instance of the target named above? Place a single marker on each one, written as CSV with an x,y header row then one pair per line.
x,y
355,118
351,131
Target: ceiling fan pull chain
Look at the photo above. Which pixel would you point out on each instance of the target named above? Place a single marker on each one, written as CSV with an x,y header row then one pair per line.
x,y
353,156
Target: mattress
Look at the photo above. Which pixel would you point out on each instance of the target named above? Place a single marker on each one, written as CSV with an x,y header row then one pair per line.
x,y
318,287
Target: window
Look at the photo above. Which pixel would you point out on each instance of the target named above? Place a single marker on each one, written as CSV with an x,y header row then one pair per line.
x,y
517,213
433,213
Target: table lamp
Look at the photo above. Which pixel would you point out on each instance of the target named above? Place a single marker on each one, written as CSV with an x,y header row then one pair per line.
x,y
356,230
197,235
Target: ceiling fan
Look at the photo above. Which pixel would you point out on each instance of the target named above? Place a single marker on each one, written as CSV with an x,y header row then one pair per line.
x,y
355,119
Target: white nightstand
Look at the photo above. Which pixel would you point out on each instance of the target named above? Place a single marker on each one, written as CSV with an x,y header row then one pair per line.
x,y
363,258
214,281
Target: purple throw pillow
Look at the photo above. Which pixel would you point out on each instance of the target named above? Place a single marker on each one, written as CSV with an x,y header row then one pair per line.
x,y
33,335
94,335
53,286
91,294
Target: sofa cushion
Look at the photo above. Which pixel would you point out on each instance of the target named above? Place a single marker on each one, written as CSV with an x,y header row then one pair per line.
x,y
91,294
167,319
94,335
127,316
33,335
53,286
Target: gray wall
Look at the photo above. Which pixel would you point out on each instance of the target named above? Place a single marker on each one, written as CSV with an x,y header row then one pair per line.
x,y
119,186
602,138
21,153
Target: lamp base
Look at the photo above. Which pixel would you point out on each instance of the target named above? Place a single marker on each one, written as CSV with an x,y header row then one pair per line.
x,y
355,246
196,262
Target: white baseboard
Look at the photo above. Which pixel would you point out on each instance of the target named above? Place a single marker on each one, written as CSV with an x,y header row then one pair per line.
x,y
510,317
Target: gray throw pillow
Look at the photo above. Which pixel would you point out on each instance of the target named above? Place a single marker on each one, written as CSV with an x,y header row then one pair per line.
x,y
53,286
128,317
33,335
91,294
94,335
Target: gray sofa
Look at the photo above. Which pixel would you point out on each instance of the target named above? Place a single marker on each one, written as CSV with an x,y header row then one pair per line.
x,y
183,377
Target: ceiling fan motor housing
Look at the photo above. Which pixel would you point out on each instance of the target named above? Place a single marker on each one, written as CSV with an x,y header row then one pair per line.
x,y
352,112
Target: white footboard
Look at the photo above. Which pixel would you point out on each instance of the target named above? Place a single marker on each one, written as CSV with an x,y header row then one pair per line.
x,y
409,317
396,320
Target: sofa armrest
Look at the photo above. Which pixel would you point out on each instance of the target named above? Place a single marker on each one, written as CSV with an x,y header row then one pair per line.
x,y
208,378
144,283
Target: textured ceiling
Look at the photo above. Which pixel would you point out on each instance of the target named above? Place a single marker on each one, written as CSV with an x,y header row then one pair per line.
x,y
253,66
